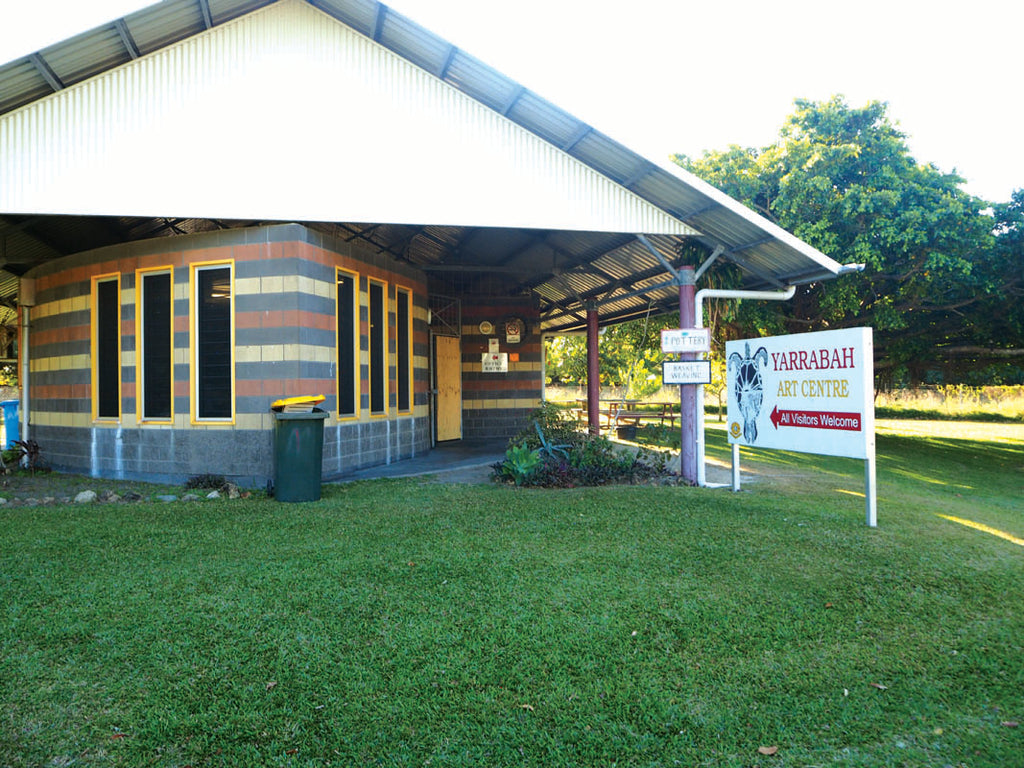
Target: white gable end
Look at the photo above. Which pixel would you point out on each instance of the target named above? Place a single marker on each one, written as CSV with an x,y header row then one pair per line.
x,y
288,114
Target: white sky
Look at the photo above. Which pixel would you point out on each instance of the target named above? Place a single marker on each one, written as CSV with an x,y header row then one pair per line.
x,y
665,76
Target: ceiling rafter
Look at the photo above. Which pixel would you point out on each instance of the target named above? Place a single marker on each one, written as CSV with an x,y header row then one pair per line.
x,y
126,38
378,22
381,248
574,261
155,225
10,229
513,101
47,73
442,73
581,133
573,266
575,319
608,291
644,170
748,245
43,240
761,274
204,6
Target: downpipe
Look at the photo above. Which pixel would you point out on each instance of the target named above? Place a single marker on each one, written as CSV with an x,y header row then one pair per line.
x,y
723,293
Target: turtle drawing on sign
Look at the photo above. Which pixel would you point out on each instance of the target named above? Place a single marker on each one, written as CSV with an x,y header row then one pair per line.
x,y
748,388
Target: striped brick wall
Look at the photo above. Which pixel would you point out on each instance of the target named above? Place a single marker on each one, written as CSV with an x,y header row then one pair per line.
x,y
285,345
498,404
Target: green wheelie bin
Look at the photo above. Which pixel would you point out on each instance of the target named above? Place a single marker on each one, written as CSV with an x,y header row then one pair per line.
x,y
298,455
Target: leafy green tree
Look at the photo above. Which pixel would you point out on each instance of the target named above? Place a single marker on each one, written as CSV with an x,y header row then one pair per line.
x,y
843,180
565,360
629,356
996,347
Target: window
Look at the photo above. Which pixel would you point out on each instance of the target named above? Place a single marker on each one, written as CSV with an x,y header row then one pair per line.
x,y
155,373
106,347
378,347
348,359
403,348
213,362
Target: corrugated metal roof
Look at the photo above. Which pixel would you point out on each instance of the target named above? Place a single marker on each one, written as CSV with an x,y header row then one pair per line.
x,y
561,268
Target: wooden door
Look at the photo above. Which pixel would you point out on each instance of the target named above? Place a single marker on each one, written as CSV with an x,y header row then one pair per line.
x,y
448,375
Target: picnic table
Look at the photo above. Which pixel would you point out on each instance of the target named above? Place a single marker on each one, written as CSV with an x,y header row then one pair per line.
x,y
621,412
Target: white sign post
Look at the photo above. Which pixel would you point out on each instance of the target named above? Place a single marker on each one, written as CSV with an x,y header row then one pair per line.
x,y
809,392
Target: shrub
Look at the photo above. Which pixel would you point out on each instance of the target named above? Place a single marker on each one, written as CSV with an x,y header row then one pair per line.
x,y
658,434
520,463
575,459
25,453
214,482
550,423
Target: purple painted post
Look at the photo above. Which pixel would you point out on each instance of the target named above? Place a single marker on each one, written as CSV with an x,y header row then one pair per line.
x,y
688,413
593,374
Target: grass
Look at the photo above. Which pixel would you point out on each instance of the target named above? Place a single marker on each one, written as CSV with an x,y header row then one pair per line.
x,y
411,623
953,402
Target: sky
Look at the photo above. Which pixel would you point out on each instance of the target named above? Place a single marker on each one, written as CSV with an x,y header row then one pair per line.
x,y
676,76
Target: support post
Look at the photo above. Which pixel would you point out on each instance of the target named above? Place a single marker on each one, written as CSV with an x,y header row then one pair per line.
x,y
593,374
870,492
688,416
26,300
735,467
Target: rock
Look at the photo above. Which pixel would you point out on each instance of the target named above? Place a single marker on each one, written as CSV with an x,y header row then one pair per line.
x,y
48,500
213,495
167,498
190,497
86,497
108,496
230,490
132,496
2,501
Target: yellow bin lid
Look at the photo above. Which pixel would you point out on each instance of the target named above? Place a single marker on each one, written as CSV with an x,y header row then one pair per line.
x,y
303,403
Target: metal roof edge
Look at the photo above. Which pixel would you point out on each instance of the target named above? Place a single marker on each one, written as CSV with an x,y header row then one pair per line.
x,y
739,209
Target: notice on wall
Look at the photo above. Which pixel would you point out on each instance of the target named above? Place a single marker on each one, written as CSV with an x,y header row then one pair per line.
x,y
495,362
808,392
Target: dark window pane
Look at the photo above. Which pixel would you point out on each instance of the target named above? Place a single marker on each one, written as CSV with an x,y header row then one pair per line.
x,y
346,345
402,349
378,372
108,350
213,346
156,346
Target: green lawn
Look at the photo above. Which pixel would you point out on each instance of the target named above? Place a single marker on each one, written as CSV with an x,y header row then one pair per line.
x,y
414,623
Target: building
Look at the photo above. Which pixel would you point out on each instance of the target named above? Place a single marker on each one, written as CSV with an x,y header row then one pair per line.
x,y
211,204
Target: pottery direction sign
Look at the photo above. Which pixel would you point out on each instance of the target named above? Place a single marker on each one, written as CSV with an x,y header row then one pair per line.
x,y
685,340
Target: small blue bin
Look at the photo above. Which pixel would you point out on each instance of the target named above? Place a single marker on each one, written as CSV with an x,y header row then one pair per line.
x,y
11,426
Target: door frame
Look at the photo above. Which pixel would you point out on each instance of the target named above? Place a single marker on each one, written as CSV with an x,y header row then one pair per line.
x,y
434,389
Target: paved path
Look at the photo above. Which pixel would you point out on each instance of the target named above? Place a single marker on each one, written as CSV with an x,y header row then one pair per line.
x,y
470,461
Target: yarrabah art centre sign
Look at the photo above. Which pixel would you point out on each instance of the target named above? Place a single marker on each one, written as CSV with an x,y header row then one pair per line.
x,y
807,392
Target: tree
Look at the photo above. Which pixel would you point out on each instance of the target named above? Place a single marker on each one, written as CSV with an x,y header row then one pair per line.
x,y
629,356
843,180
